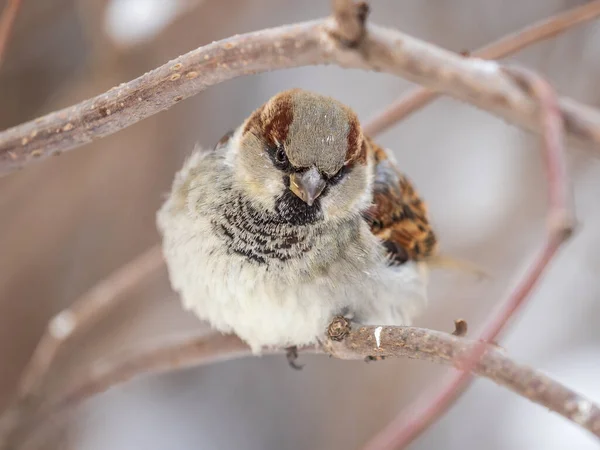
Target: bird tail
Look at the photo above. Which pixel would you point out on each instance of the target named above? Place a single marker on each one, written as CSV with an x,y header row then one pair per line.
x,y
439,261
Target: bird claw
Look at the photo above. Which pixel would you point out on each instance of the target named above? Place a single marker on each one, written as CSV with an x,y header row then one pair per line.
x,y
291,354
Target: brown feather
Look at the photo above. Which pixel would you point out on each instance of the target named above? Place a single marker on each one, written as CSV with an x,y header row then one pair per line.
x,y
272,120
356,152
398,215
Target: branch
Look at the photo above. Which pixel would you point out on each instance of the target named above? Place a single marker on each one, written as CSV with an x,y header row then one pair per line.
x,y
357,344
474,81
505,46
350,21
508,93
7,20
438,347
560,217
81,316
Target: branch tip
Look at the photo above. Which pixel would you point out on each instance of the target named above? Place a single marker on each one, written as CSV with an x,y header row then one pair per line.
x,y
460,328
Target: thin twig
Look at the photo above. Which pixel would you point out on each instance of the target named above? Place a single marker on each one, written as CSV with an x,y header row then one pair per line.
x,y
73,321
7,20
505,46
405,342
478,82
410,424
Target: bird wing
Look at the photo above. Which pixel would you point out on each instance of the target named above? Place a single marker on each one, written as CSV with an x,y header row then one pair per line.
x,y
398,216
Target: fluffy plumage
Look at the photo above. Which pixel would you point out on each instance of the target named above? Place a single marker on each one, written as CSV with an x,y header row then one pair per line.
x,y
293,218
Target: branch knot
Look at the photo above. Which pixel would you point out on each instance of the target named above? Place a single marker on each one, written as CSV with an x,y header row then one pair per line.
x,y
350,19
338,329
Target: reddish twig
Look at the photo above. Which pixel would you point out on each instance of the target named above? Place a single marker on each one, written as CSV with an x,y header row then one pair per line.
x,y
75,320
505,46
407,426
7,20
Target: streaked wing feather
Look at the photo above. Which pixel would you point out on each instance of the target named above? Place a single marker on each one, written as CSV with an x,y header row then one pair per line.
x,y
398,215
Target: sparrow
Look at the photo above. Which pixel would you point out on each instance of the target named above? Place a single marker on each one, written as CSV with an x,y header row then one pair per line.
x,y
293,218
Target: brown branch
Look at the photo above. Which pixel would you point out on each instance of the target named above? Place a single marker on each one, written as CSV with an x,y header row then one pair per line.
x,y
460,328
443,348
81,316
406,342
7,20
505,46
311,43
350,20
409,425
322,42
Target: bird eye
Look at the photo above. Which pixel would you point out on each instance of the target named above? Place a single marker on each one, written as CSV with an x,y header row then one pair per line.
x,y
338,175
280,155
280,158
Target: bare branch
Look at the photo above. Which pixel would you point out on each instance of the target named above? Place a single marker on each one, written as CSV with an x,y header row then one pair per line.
x,y
311,43
350,20
7,20
505,46
357,344
513,94
85,312
409,425
75,320
437,347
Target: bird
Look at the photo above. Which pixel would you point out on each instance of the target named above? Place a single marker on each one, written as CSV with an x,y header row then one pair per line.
x,y
293,218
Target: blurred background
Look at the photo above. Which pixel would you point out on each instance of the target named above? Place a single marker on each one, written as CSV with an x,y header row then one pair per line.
x,y
69,222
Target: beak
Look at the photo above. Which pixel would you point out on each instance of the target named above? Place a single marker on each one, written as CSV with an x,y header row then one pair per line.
x,y
308,185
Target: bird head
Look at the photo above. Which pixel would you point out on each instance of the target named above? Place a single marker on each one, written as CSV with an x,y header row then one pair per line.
x,y
304,155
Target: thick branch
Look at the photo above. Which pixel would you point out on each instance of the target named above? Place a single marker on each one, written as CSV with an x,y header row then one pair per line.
x,y
408,342
311,43
506,45
438,347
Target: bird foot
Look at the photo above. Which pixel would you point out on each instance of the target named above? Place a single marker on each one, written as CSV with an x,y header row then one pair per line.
x,y
291,354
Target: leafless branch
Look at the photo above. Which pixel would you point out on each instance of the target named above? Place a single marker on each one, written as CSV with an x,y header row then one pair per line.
x,y
357,344
434,346
310,43
350,20
409,425
69,323
513,94
7,20
505,46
